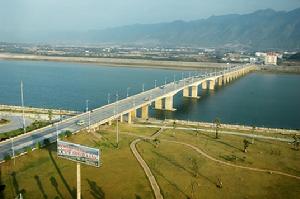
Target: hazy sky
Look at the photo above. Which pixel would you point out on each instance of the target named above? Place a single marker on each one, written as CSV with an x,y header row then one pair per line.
x,y
53,15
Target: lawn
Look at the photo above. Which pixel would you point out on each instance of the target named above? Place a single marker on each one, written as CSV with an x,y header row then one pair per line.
x,y
41,174
180,171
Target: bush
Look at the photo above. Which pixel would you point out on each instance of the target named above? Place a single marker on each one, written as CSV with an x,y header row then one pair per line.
x,y
46,141
7,157
61,135
28,149
68,133
38,145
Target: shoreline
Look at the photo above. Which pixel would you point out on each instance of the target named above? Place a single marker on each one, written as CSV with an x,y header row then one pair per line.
x,y
118,62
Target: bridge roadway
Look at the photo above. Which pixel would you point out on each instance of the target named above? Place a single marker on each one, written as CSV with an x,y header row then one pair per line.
x,y
117,109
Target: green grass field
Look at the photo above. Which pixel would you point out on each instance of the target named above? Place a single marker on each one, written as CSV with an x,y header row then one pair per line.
x,y
180,171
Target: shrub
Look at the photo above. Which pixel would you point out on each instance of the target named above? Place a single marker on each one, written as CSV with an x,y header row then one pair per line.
x,y
38,145
46,141
7,157
68,133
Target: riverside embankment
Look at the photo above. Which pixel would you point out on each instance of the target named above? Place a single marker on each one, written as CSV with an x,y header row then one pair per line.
x,y
140,63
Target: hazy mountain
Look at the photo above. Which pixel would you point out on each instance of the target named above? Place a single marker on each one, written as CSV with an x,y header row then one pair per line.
x,y
262,29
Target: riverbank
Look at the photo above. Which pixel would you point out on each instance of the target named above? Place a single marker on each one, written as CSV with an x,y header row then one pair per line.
x,y
280,69
138,63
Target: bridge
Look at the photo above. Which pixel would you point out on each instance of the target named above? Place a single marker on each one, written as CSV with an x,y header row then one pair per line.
x,y
125,110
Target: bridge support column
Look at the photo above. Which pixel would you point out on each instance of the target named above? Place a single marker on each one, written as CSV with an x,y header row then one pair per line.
x,y
109,122
220,81
204,85
145,112
129,118
158,104
169,103
121,118
212,85
186,92
195,92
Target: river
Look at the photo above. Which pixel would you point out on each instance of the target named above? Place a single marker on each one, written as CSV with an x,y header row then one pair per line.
x,y
260,99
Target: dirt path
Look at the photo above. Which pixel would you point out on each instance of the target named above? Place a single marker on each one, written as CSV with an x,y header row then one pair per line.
x,y
150,176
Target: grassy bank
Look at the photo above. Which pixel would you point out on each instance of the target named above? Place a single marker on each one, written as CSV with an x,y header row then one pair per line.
x,y
180,171
35,125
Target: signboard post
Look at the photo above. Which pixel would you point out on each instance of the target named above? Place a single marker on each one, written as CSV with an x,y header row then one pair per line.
x,y
79,154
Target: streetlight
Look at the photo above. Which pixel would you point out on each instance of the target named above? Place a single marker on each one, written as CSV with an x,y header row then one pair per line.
x,y
22,102
128,88
143,87
166,80
89,112
13,150
182,75
108,98
117,127
154,83
174,78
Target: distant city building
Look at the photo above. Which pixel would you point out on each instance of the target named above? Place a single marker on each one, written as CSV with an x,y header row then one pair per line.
x,y
271,58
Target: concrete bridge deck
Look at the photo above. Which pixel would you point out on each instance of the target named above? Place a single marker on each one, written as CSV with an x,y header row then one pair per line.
x,y
161,96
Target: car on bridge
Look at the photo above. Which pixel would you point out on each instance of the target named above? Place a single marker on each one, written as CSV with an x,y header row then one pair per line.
x,y
80,122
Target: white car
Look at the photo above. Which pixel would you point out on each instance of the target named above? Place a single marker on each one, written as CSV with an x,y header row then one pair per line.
x,y
80,122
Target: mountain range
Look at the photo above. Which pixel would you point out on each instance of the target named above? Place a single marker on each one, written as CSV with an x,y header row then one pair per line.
x,y
263,29
260,30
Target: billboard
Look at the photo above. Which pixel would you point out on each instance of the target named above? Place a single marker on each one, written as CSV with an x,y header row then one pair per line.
x,y
78,153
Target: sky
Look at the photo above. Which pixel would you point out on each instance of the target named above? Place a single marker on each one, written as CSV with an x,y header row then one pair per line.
x,y
81,15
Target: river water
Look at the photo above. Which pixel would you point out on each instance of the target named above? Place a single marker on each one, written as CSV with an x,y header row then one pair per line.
x,y
261,99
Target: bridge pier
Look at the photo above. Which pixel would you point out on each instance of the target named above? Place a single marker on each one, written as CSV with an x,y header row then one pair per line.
x,y
169,103
145,112
204,85
129,118
186,92
212,84
220,81
195,92
158,104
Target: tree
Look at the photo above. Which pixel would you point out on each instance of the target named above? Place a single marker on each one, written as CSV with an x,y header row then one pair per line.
x,y
296,142
156,142
217,123
68,133
50,115
246,145
7,157
46,141
195,167
253,129
174,127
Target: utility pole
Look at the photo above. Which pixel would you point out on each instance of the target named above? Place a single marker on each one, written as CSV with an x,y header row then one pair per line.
x,y
22,102
89,112
56,126
117,126
128,92
13,150
78,181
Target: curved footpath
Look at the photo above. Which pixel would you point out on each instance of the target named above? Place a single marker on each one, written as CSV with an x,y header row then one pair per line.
x,y
147,170
232,165
151,178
